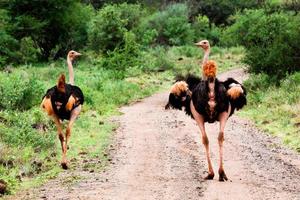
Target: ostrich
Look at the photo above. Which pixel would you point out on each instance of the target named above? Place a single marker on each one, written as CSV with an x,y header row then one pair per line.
x,y
63,102
208,100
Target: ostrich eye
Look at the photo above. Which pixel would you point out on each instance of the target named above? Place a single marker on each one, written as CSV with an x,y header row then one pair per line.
x,y
72,52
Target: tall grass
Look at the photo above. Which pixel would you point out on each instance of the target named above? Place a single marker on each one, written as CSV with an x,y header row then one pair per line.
x,y
275,109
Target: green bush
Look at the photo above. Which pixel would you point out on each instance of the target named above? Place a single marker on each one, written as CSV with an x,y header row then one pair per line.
x,y
8,44
218,11
29,52
206,30
167,27
258,82
275,108
156,59
74,28
19,132
190,51
108,28
19,91
292,85
124,57
271,41
52,24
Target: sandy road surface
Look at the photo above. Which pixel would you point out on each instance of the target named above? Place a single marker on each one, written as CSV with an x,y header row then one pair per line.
x,y
158,154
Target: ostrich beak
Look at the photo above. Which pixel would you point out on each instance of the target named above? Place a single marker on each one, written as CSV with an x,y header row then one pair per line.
x,y
77,54
198,44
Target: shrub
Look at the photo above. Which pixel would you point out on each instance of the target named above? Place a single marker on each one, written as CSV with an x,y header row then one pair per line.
x,y
108,28
123,57
271,41
74,26
168,27
51,24
28,51
219,11
187,50
19,91
156,59
25,135
8,44
206,30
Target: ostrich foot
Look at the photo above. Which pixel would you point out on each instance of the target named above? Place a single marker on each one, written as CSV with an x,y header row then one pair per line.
x,y
222,176
210,176
64,165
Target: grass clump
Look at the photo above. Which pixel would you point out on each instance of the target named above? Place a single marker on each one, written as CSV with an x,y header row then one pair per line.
x,y
275,109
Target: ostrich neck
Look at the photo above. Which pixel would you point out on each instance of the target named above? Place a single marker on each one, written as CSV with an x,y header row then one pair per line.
x,y
205,59
71,72
206,55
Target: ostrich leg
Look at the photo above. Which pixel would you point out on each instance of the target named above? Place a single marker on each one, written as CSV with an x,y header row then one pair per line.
x,y
200,121
62,142
223,119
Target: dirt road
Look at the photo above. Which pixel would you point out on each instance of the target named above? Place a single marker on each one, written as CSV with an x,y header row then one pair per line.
x,y
158,155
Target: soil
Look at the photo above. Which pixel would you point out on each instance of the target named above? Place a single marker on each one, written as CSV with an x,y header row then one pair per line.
x,y
158,154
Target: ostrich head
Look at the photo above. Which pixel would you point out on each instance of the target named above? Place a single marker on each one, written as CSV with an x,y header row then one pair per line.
x,y
204,44
72,55
210,70
179,95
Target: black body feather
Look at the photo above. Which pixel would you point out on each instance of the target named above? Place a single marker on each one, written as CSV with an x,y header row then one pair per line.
x,y
200,98
241,101
57,96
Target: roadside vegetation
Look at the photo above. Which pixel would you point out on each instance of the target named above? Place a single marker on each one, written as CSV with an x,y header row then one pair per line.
x,y
131,51
275,108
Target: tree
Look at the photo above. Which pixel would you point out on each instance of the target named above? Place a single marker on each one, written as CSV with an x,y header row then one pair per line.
x,y
168,27
271,41
218,11
8,44
108,27
51,24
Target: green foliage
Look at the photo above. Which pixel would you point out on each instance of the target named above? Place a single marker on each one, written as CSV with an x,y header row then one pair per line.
x,y
108,28
19,91
258,82
74,26
275,108
26,135
218,11
28,51
187,58
12,50
124,57
8,44
292,5
271,41
188,51
168,27
206,30
51,24
156,60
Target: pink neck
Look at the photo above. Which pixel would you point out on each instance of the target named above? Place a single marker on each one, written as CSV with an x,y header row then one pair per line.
x,y
205,59
71,72
206,55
